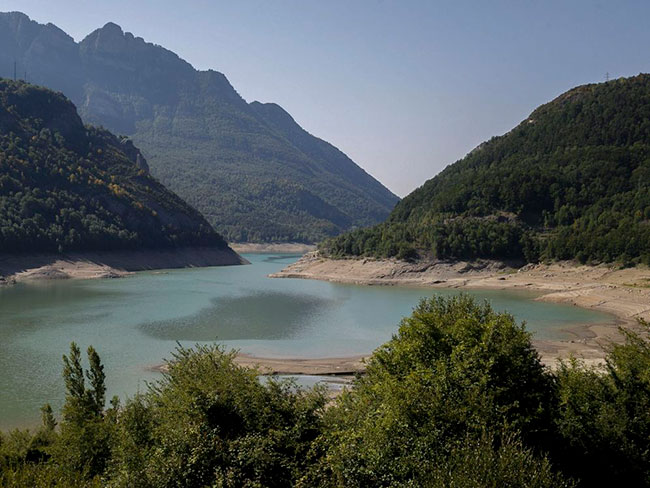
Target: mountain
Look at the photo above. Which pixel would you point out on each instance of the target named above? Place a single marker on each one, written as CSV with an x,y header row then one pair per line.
x,y
572,181
249,168
67,187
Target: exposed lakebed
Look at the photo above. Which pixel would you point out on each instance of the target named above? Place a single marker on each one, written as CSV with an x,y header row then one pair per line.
x,y
135,322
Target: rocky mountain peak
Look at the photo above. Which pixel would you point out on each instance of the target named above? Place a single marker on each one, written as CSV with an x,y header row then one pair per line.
x,y
199,135
16,17
110,39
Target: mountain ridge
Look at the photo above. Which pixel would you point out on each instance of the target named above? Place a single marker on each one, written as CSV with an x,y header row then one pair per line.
x,y
69,187
571,181
254,175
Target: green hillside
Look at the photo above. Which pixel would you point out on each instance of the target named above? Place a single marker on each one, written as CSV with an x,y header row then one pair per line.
x,y
249,168
572,181
69,187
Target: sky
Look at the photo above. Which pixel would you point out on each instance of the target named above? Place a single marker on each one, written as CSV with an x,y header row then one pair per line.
x,y
403,87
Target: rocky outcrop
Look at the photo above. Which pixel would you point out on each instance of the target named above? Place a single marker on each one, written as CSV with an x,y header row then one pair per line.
x,y
134,154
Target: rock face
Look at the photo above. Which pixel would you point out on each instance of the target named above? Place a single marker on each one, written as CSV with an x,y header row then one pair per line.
x,y
134,154
249,168
43,52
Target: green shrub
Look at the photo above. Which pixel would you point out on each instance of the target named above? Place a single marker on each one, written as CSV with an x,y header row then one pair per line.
x,y
209,422
455,371
604,416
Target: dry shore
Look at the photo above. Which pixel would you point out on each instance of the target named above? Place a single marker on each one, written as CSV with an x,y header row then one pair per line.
x,y
285,247
344,367
110,264
622,293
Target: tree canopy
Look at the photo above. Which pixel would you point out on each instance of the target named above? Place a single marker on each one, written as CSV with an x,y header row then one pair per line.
x,y
249,168
69,187
572,181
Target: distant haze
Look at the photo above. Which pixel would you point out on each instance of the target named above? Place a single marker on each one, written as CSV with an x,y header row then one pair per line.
x,y
403,87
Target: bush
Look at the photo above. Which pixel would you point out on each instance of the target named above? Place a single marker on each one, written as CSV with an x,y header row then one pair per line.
x,y
455,371
209,422
604,416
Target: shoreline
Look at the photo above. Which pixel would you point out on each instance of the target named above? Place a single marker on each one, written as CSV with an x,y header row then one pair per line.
x,y
272,248
622,293
111,264
272,366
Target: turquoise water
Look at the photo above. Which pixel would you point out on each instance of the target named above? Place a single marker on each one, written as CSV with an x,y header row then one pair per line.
x,y
135,322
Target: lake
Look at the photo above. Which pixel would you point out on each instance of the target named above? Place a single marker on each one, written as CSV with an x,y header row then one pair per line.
x,y
135,322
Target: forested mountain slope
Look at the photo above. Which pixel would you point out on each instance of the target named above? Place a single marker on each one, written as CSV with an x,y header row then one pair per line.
x,y
570,181
69,187
249,168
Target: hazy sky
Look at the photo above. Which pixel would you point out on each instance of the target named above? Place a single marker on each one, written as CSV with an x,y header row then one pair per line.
x,y
403,87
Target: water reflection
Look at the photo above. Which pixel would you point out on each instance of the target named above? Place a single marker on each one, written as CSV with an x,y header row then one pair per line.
x,y
257,316
135,322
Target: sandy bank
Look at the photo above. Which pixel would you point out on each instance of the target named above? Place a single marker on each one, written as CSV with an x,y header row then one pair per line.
x,y
288,366
623,293
347,366
286,247
110,264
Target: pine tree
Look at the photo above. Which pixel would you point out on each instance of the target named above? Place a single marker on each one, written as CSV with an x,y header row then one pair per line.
x,y
96,376
47,417
84,445
76,401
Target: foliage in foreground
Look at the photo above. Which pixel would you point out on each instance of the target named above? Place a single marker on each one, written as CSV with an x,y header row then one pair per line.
x,y
604,417
457,382
458,397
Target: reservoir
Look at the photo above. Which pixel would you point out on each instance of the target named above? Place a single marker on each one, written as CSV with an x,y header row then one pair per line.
x,y
135,323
